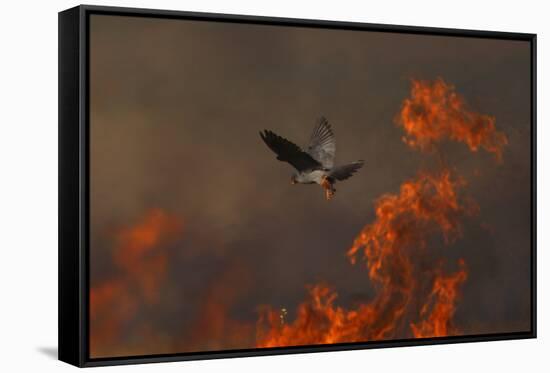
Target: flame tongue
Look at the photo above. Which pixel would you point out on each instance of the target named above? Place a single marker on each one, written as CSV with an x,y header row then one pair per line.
x,y
435,112
441,301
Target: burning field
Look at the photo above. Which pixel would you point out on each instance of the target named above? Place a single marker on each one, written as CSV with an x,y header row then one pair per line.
x,y
402,252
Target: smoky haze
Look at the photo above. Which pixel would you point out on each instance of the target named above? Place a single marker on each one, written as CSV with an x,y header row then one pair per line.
x,y
175,111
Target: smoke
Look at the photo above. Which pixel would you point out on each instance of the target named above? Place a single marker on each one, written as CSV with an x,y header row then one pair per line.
x,y
214,327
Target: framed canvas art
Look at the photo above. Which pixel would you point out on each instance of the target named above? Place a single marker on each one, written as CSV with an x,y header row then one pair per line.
x,y
238,186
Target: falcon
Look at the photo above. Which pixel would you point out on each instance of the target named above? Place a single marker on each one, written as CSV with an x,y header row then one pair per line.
x,y
316,164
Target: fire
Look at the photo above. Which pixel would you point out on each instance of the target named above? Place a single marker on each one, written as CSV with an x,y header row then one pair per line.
x,y
400,250
399,239
435,112
408,218
318,321
140,259
410,299
442,302
137,253
392,247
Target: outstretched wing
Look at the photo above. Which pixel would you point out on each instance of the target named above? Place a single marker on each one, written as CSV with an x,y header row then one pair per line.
x,y
322,144
345,171
289,152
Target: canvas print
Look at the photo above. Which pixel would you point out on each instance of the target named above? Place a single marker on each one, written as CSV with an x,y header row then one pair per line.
x,y
258,186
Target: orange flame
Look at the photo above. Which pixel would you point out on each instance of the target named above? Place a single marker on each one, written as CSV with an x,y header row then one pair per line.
x,y
406,219
442,301
138,255
140,260
395,244
413,296
404,224
435,112
318,320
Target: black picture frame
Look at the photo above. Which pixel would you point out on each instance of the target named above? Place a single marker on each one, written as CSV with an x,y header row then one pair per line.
x,y
74,202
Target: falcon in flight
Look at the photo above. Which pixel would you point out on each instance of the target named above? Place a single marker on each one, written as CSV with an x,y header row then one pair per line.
x,y
316,164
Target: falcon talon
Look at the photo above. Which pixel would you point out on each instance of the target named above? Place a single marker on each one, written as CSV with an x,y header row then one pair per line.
x,y
316,164
327,186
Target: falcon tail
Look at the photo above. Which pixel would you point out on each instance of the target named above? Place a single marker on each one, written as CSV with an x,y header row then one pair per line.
x,y
346,171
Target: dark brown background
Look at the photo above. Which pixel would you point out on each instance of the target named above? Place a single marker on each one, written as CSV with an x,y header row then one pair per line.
x,y
176,107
